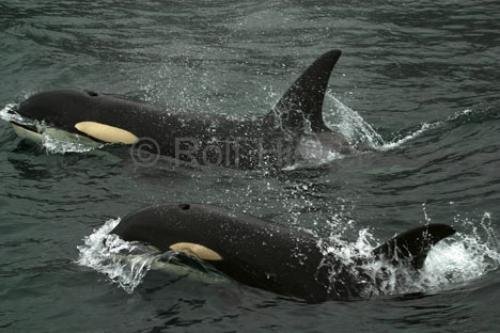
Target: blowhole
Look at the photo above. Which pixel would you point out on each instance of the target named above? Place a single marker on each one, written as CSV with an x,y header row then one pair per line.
x,y
91,93
184,206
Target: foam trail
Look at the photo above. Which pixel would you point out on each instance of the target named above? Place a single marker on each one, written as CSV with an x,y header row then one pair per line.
x,y
395,144
357,130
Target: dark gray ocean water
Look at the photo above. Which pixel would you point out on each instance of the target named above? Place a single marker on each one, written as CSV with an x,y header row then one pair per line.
x,y
418,80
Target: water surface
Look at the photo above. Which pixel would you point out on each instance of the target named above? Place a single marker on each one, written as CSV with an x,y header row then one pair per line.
x,y
422,71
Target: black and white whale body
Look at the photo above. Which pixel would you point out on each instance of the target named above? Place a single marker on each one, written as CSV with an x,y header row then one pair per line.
x,y
271,140
265,255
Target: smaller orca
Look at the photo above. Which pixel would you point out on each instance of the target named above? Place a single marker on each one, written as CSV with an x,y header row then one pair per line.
x,y
265,255
268,141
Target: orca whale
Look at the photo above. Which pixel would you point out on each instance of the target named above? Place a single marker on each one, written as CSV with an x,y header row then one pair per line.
x,y
265,255
271,140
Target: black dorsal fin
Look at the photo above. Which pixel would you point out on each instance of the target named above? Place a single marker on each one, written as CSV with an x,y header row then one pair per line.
x,y
413,245
304,99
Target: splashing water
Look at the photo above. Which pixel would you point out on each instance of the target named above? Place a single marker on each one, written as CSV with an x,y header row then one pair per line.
x,y
56,146
395,144
347,121
353,127
103,251
127,263
57,141
312,154
54,141
460,259
8,113
357,131
452,262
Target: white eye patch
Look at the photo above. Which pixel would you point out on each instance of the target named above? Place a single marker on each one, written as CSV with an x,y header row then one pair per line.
x,y
106,133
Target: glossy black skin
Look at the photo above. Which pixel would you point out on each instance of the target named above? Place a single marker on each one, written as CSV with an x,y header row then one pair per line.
x,y
266,255
170,130
254,252
269,141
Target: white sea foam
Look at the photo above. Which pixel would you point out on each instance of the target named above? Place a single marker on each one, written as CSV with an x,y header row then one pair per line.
x,y
55,146
8,114
103,252
313,154
127,263
357,132
347,121
352,126
462,258
54,141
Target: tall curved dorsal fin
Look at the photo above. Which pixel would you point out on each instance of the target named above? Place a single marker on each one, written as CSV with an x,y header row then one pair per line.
x,y
413,244
304,99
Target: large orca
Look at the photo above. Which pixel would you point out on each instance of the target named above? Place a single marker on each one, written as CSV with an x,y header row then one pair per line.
x,y
265,255
271,140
